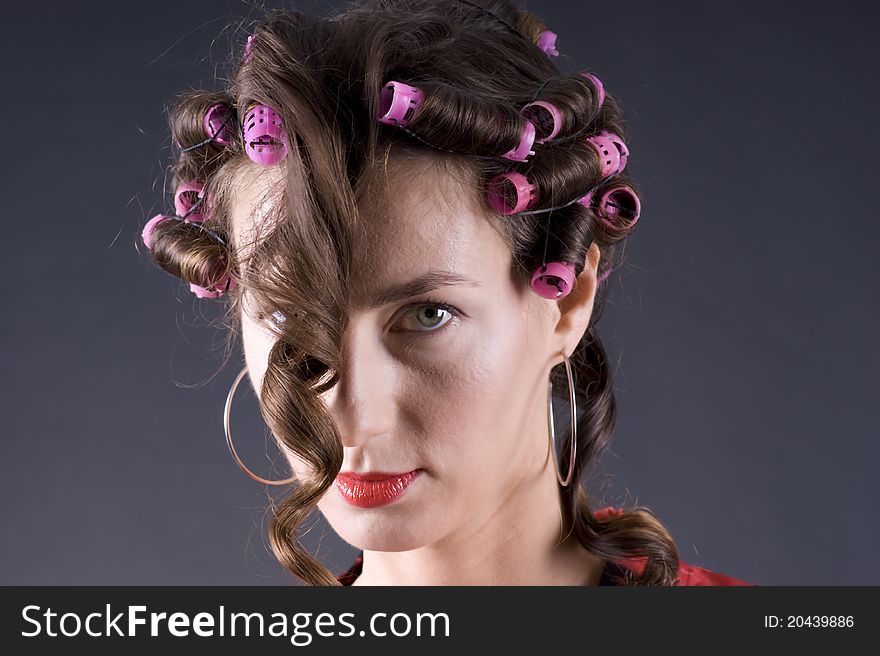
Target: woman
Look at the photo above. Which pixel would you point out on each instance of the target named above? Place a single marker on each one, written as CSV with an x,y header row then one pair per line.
x,y
412,213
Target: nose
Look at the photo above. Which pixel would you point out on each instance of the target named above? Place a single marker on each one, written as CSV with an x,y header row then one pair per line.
x,y
362,401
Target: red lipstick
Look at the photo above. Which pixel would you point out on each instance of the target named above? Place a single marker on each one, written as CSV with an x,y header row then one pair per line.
x,y
372,489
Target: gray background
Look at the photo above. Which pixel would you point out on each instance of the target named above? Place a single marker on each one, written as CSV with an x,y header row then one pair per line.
x,y
741,327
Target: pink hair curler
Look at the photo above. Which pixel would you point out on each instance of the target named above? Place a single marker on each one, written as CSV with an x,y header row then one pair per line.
x,y
522,151
620,202
511,192
597,84
398,103
185,197
264,139
546,118
586,201
547,43
218,123
609,155
553,280
147,232
221,288
201,292
248,48
620,145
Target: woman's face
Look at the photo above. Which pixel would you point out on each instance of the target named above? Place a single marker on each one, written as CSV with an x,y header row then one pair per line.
x,y
460,393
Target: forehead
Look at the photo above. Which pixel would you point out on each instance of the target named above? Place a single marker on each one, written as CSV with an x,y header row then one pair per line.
x,y
415,216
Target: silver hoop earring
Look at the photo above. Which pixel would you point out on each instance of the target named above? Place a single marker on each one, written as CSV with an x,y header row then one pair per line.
x,y
232,450
573,405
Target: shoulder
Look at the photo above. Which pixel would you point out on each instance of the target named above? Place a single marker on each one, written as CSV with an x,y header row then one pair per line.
x,y
348,576
688,573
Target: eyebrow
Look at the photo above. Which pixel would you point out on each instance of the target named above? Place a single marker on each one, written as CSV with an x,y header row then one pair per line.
x,y
424,283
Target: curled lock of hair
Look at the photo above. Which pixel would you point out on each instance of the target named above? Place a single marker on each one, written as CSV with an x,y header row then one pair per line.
x,y
191,252
323,76
576,99
448,116
187,118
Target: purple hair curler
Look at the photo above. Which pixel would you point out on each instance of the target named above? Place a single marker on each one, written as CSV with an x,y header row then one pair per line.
x,y
619,202
553,280
201,292
185,197
547,43
511,192
586,201
620,145
522,151
597,83
608,153
398,103
223,285
218,123
546,118
264,139
147,232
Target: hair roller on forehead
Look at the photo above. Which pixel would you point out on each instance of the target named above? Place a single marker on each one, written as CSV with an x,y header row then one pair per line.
x,y
622,149
619,208
522,151
609,155
189,201
563,108
586,200
150,227
553,280
597,86
220,120
547,43
206,269
398,102
264,139
224,284
204,124
546,118
217,281
417,111
511,192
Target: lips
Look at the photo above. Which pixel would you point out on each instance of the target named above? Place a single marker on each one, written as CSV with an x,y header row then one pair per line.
x,y
373,489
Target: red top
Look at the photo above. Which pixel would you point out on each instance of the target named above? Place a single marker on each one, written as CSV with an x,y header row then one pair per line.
x,y
613,573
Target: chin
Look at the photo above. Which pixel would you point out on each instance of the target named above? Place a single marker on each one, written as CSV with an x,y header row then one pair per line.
x,y
387,528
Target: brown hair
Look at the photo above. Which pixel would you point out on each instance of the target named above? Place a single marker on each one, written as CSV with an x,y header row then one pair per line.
x,y
477,66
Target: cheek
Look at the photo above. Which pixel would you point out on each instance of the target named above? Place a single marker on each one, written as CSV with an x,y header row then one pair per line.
x,y
472,404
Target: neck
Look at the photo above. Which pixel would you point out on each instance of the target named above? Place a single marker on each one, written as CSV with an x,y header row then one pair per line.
x,y
520,543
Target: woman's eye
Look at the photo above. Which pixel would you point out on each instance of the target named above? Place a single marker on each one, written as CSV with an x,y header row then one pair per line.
x,y
429,317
